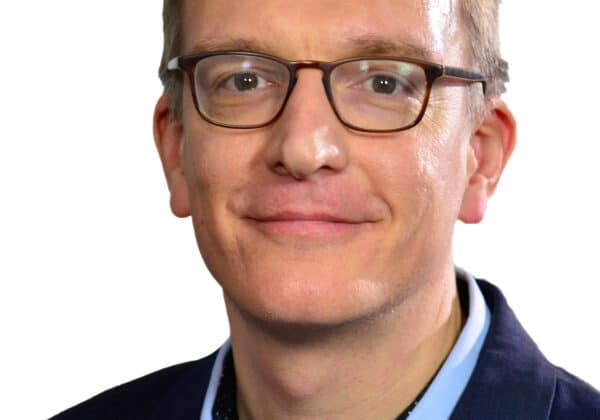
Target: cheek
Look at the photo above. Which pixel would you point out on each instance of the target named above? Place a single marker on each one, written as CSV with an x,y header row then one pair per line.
x,y
204,165
216,166
215,163
402,171
420,174
447,125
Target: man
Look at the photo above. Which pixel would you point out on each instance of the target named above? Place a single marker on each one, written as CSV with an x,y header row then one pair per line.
x,y
324,150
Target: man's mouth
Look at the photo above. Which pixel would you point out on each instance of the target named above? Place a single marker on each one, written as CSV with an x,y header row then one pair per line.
x,y
309,224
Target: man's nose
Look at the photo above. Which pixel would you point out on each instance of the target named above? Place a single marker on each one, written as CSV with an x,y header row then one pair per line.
x,y
307,137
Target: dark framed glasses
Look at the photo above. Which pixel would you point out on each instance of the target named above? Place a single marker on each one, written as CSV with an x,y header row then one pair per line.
x,y
238,89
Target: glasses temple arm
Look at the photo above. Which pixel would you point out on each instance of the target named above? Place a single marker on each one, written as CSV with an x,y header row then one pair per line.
x,y
462,74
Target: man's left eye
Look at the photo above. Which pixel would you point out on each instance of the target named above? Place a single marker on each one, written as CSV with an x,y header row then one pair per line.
x,y
383,84
245,81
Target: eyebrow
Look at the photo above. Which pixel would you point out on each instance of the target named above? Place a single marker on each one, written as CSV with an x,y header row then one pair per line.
x,y
372,44
231,44
351,46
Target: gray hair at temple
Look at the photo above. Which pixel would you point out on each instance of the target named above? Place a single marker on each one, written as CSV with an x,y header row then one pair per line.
x,y
479,18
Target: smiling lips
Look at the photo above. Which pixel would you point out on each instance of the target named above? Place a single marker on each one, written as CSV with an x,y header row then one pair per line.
x,y
320,224
327,210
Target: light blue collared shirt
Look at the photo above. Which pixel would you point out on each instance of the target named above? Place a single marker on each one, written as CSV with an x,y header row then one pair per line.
x,y
452,378
448,385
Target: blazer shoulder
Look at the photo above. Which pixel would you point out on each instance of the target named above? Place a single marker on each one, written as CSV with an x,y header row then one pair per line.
x,y
138,398
574,398
514,380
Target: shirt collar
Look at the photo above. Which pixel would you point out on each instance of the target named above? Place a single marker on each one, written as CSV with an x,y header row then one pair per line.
x,y
215,379
512,378
448,385
452,378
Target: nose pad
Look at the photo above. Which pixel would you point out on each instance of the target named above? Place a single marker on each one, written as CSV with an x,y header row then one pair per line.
x,y
326,91
327,94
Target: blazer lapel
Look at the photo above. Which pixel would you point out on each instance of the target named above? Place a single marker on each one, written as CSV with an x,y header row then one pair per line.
x,y
512,379
185,399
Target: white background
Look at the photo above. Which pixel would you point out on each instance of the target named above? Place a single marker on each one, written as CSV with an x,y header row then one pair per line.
x,y
100,284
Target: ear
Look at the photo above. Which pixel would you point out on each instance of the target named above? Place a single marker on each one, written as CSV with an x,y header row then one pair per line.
x,y
490,147
168,137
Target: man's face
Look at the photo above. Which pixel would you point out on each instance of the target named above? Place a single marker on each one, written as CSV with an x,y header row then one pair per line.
x,y
305,220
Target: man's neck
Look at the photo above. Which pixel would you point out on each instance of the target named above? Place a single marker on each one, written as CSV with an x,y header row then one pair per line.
x,y
373,368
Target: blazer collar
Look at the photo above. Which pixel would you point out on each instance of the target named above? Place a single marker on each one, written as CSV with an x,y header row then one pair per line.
x,y
185,399
512,379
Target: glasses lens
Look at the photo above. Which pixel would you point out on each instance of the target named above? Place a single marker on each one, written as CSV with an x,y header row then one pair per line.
x,y
379,94
240,90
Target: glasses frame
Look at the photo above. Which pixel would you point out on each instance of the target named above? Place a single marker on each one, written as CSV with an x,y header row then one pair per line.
x,y
433,71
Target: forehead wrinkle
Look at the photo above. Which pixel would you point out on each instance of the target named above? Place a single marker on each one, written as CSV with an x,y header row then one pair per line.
x,y
352,45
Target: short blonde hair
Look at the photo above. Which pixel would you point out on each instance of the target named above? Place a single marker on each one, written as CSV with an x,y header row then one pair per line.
x,y
482,38
479,18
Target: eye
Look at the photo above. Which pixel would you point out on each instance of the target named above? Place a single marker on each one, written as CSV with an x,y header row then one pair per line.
x,y
246,81
384,84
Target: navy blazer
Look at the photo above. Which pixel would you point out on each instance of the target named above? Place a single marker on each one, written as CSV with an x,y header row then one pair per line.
x,y
512,380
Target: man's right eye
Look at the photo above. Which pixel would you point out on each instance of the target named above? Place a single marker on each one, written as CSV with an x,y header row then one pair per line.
x,y
243,82
382,84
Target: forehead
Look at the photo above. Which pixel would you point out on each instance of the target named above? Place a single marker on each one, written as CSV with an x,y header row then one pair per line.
x,y
322,29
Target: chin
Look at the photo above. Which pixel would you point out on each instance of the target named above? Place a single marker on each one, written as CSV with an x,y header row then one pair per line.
x,y
311,301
